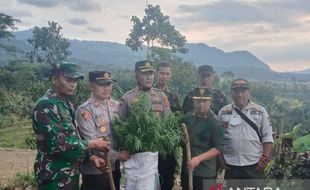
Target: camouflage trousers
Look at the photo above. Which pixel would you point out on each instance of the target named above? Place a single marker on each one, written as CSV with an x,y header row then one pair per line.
x,y
68,183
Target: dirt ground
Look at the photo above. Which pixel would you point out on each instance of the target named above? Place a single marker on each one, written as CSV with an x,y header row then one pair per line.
x,y
13,161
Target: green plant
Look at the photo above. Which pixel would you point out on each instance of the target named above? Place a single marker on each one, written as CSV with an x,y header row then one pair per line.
x,y
144,131
21,181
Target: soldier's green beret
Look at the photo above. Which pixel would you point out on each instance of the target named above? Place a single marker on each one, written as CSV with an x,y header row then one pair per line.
x,y
144,66
69,70
205,69
100,77
239,83
201,93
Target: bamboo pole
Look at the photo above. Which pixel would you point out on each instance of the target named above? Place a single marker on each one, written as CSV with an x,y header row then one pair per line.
x,y
107,161
188,155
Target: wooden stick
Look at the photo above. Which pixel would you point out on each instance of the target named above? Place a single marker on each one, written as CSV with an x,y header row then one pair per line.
x,y
188,155
110,175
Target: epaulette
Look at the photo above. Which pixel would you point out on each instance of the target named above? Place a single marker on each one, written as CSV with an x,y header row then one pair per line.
x,y
256,107
87,102
113,102
156,89
130,91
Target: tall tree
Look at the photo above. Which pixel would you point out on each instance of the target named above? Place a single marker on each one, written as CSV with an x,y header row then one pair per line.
x,y
7,22
48,44
155,30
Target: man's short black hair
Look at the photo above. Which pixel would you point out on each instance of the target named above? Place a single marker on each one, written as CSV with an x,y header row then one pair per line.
x,y
163,64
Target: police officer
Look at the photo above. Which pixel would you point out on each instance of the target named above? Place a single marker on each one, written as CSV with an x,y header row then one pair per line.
x,y
145,77
163,76
59,146
206,78
94,119
206,142
248,137
160,105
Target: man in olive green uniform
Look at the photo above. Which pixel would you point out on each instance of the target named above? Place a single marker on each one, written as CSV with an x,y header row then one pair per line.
x,y
206,142
145,78
59,146
206,78
168,164
94,119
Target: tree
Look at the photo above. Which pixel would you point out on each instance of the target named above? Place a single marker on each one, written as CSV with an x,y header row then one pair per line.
x,y
48,44
155,29
7,22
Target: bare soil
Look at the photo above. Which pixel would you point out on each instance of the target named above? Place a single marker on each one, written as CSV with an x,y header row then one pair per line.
x,y
13,161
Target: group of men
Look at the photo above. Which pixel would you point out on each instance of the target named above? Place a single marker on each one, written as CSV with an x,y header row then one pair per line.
x,y
236,137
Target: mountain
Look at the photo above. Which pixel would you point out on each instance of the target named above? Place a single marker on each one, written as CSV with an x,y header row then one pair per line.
x,y
306,71
111,55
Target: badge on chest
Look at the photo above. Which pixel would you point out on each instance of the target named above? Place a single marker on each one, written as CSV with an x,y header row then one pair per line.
x,y
102,124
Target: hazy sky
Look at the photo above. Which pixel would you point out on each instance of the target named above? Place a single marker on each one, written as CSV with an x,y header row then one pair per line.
x,y
276,31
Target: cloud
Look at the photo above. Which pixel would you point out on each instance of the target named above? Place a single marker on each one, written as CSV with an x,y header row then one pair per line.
x,y
16,13
84,5
78,21
96,29
76,5
235,12
41,3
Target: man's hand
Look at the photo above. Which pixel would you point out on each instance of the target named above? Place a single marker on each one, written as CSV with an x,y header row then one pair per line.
x,y
262,165
177,184
99,164
99,144
123,155
193,163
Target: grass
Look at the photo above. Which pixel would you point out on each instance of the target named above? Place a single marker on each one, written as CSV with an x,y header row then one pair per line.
x,y
21,181
14,137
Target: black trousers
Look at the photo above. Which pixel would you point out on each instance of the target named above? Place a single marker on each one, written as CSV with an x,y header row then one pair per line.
x,y
243,176
166,169
199,183
100,181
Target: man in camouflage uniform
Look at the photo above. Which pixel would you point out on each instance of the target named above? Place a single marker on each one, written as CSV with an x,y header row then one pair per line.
x,y
59,146
163,76
206,78
94,119
159,101
206,142
248,138
168,165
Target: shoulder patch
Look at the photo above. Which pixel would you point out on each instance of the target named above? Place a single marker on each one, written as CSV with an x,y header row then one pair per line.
x,y
86,114
166,101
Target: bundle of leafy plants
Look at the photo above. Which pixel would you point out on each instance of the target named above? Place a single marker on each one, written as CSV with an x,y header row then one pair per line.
x,y
144,131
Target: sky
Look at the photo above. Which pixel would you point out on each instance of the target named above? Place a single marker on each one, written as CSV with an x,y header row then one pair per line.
x,y
276,31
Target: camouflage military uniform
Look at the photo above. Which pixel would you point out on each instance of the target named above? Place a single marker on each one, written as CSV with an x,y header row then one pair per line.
x,y
218,100
59,146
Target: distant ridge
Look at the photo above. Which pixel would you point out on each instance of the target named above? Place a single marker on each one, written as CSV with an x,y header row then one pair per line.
x,y
112,55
